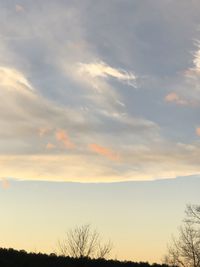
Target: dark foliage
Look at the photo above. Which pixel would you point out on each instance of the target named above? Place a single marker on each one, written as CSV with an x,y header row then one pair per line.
x,y
14,258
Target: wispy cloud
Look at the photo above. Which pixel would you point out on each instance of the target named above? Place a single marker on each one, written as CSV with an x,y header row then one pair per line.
x,y
19,8
196,60
188,92
50,146
103,70
195,70
104,151
64,139
136,163
175,98
5,183
67,78
12,79
198,131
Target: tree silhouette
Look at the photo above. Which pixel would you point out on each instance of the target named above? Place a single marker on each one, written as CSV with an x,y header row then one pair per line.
x,y
83,241
14,258
193,214
184,250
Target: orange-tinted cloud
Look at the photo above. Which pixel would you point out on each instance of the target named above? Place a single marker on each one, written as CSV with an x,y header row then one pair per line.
x,y
50,146
175,98
63,138
104,151
198,131
19,8
4,183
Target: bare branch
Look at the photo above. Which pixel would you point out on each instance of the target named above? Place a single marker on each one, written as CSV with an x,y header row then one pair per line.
x,y
185,250
104,249
193,214
84,242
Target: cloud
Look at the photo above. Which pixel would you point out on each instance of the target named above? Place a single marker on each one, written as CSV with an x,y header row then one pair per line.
x,y
196,60
27,115
187,88
5,183
104,151
58,167
193,72
19,8
64,139
63,76
50,146
103,70
175,98
198,131
12,79
136,163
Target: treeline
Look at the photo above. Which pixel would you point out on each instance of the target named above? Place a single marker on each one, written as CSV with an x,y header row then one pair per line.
x,y
14,258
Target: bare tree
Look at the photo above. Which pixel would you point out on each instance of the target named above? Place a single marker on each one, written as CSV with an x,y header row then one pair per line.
x,y
104,249
83,241
184,250
193,214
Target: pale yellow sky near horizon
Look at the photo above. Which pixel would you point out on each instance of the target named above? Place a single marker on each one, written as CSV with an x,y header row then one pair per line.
x,y
138,217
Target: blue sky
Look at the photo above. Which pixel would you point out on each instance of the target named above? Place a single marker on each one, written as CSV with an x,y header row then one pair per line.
x,y
99,91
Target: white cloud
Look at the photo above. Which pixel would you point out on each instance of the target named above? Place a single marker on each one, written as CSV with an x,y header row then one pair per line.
x,y
186,90
103,70
12,79
196,60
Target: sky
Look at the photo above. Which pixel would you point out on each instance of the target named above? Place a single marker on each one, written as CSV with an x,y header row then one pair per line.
x,y
97,92
138,217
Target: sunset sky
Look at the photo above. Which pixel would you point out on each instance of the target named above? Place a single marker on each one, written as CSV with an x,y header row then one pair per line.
x,y
96,92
